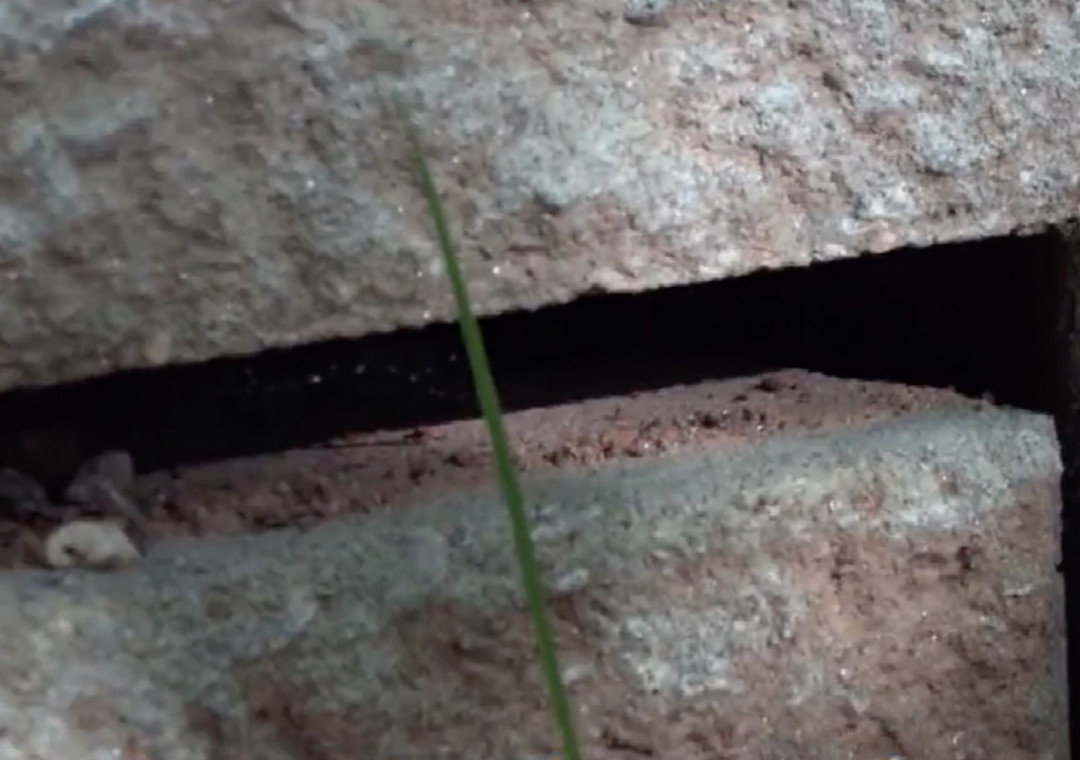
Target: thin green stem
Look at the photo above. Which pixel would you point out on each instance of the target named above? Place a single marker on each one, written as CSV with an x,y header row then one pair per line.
x,y
489,405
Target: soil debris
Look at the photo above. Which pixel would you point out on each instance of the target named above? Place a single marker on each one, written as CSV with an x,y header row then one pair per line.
x,y
365,473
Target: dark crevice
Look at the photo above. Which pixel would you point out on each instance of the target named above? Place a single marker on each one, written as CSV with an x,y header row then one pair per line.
x,y
975,317
1063,380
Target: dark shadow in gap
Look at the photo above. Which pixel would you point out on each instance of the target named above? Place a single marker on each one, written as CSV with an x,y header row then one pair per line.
x,y
974,317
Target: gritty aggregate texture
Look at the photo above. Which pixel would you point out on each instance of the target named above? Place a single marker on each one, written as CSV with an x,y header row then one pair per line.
x,y
882,590
181,180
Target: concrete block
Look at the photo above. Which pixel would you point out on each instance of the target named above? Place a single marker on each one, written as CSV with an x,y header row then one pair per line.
x,y
888,590
184,180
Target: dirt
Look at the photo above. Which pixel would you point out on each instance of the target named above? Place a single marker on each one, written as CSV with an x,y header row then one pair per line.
x,y
369,472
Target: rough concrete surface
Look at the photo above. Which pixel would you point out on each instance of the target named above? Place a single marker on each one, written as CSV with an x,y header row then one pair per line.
x,y
885,590
181,180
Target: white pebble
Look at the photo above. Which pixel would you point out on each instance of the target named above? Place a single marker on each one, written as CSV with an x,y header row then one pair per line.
x,y
92,544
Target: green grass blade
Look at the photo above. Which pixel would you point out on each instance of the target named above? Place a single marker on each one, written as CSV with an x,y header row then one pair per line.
x,y
489,405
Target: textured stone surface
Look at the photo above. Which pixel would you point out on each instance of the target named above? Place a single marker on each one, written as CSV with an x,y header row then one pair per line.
x,y
180,180
882,591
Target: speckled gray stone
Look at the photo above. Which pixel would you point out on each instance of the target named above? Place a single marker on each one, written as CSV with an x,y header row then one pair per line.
x,y
882,590
183,180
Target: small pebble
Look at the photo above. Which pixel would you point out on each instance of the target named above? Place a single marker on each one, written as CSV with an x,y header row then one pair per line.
x,y
90,544
104,483
112,468
20,495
